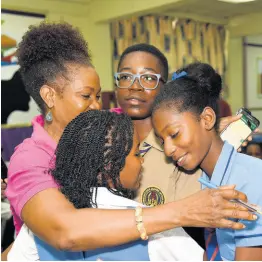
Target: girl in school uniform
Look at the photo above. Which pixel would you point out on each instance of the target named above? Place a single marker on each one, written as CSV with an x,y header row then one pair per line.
x,y
185,118
98,165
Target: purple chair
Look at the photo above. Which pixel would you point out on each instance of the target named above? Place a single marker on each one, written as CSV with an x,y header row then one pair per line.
x,y
12,136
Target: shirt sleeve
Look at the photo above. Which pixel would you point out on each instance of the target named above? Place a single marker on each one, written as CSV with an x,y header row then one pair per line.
x,y
250,176
28,174
251,236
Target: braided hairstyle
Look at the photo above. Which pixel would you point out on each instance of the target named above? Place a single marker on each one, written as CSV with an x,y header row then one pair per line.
x,y
201,87
91,153
44,52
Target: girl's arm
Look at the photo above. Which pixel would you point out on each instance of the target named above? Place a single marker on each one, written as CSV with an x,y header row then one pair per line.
x,y
249,253
5,253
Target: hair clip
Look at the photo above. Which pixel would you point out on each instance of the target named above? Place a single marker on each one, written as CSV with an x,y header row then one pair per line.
x,y
179,75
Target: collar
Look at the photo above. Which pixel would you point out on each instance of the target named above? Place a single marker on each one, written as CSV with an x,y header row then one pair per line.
x,y
40,136
152,140
107,200
223,166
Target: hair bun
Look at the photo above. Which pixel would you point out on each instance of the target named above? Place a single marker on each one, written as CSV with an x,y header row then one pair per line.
x,y
207,79
50,42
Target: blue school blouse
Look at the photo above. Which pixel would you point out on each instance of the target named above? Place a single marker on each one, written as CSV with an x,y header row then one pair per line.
x,y
246,173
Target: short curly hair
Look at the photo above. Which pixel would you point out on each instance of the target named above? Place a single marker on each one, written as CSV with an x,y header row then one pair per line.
x,y
43,53
92,152
150,49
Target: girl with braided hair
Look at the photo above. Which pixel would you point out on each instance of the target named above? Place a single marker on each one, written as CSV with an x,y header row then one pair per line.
x,y
98,165
97,149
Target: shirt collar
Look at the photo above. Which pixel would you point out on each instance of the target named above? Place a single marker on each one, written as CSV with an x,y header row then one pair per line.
x,y
108,200
223,166
40,136
152,140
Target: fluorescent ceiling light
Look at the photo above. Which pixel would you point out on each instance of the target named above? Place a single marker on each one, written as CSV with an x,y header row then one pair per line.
x,y
237,1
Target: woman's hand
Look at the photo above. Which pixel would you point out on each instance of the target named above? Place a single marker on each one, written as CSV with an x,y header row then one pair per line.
x,y
225,121
212,208
244,144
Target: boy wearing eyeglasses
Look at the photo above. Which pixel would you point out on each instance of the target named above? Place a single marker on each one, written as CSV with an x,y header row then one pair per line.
x,y
142,71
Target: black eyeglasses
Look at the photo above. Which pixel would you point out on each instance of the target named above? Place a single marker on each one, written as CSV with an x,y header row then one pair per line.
x,y
147,81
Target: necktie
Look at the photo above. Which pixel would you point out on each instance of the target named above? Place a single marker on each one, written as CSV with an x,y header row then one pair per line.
x,y
212,248
145,148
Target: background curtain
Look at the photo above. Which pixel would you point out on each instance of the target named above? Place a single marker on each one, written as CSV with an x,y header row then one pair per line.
x,y
182,41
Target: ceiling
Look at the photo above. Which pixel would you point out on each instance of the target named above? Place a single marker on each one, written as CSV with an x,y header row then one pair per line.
x,y
81,2
216,9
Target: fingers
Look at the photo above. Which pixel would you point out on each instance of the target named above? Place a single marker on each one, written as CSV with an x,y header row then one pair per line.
x,y
234,205
231,194
231,119
250,137
238,214
6,180
225,121
257,130
224,223
245,143
227,187
214,208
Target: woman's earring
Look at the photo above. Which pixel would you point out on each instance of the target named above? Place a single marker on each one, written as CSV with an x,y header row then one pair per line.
x,y
49,117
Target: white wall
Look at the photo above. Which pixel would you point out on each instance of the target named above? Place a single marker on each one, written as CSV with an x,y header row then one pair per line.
x,y
235,78
253,97
15,26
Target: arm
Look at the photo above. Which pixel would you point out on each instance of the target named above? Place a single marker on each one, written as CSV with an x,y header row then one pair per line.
x,y
54,219
248,253
4,254
51,217
205,256
35,197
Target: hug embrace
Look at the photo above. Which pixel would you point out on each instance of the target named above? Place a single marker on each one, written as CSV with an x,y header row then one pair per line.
x,y
82,161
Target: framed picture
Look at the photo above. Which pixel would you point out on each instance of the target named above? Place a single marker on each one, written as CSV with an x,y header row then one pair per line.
x,y
259,77
17,107
253,75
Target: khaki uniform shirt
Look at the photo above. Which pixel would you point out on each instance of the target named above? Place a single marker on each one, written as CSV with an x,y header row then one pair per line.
x,y
162,182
